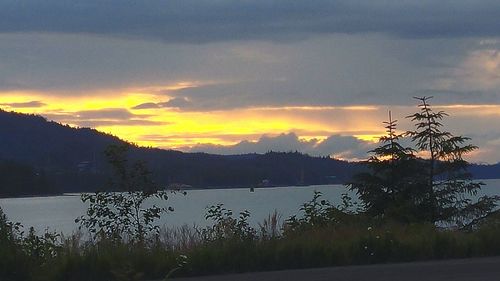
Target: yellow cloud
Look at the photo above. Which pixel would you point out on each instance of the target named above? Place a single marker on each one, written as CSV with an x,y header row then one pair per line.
x,y
190,128
181,129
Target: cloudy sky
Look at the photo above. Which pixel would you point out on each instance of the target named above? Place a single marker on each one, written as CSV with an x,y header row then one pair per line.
x,y
243,76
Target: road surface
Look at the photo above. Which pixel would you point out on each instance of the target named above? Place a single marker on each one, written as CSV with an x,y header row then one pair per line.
x,y
478,269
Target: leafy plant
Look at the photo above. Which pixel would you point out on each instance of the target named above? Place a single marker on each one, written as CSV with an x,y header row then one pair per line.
x,y
119,215
318,213
127,213
227,227
41,247
9,231
182,261
24,255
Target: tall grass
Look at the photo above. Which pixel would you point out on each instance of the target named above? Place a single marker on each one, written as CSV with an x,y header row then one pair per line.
x,y
273,245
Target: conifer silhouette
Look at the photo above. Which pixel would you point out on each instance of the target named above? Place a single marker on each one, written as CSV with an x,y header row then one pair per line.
x,y
449,186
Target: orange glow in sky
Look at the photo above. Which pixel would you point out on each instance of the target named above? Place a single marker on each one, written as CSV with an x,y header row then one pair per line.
x,y
175,128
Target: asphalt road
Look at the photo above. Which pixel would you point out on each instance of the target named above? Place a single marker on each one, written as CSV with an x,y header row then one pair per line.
x,y
479,269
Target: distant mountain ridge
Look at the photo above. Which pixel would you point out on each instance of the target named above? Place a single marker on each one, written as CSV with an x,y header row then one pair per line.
x,y
72,160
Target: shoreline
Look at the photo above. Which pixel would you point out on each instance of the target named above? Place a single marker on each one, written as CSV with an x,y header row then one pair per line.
x,y
197,188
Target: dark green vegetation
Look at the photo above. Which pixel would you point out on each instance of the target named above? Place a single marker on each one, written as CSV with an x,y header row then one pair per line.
x,y
435,187
123,215
19,179
323,235
72,160
405,203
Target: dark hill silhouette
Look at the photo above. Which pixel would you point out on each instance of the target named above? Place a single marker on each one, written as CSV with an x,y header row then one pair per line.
x,y
33,140
72,160
483,171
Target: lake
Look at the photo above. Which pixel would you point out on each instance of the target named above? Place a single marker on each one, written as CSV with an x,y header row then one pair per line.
x,y
59,212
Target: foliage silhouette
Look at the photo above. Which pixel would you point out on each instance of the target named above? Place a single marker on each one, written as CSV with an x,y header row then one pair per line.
x,y
127,212
73,160
392,187
18,179
227,227
449,185
320,213
435,188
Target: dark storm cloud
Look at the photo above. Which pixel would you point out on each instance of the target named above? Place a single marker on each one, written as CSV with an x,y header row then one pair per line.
x,y
207,21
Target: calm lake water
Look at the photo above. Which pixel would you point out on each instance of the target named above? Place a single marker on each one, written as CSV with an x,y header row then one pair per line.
x,y
59,212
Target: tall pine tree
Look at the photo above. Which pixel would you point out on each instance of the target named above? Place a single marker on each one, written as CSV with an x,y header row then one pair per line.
x,y
391,187
429,183
448,187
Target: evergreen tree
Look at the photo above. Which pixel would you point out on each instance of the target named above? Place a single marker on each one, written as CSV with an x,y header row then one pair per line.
x,y
391,187
448,186
433,187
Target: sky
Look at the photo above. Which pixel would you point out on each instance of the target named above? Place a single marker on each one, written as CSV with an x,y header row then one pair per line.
x,y
234,77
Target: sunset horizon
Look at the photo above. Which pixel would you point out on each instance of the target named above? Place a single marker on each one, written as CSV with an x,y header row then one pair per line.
x,y
264,128
249,140
202,76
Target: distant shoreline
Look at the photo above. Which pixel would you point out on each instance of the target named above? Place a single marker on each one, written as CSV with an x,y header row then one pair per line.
x,y
33,195
196,188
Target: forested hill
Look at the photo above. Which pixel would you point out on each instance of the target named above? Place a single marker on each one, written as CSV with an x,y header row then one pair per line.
x,y
43,157
65,159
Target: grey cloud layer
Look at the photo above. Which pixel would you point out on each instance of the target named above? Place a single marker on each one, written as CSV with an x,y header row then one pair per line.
x,y
346,147
209,21
172,103
106,113
331,70
256,53
104,117
339,146
29,104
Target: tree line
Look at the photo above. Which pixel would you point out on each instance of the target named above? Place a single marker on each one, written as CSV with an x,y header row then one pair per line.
x,y
428,181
